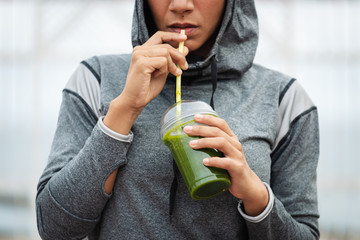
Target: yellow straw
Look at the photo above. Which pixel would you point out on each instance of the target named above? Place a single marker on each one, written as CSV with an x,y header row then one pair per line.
x,y
178,87
178,78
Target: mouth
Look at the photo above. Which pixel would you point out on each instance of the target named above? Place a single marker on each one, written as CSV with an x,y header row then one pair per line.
x,y
188,27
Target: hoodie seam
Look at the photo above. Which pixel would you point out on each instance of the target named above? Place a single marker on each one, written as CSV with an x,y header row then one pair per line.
x,y
293,122
87,107
58,205
96,75
286,88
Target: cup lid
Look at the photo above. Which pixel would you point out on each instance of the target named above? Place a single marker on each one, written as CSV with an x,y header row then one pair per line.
x,y
188,109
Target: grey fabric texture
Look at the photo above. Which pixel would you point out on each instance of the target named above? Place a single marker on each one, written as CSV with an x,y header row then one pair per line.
x,y
71,202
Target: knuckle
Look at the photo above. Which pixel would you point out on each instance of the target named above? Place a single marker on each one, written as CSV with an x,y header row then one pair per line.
x,y
205,117
158,51
163,60
168,46
136,55
158,34
217,131
222,141
222,162
136,60
222,122
163,51
140,60
238,144
216,161
238,167
182,61
173,68
228,164
196,129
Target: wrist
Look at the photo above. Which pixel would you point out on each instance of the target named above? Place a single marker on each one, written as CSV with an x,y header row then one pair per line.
x,y
255,203
260,217
121,116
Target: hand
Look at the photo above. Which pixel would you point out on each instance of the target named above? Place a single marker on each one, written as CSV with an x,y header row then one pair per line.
x,y
245,184
150,65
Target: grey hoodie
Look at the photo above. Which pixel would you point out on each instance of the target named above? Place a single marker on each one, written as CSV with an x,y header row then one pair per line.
x,y
270,113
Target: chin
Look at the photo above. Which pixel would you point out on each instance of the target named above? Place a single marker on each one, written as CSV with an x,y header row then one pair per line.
x,y
191,46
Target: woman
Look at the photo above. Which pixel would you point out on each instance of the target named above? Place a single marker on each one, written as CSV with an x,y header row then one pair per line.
x,y
109,175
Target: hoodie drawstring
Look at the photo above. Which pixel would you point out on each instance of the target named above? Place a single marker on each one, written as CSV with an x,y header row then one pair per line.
x,y
173,189
213,80
174,183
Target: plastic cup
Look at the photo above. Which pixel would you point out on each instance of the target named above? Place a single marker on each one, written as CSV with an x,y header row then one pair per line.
x,y
202,182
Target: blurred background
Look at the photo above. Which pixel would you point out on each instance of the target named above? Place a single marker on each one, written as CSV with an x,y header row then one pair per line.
x,y
43,41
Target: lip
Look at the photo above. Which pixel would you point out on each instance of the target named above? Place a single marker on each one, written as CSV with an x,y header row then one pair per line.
x,y
188,27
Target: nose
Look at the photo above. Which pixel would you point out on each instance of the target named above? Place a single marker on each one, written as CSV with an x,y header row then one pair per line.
x,y
181,6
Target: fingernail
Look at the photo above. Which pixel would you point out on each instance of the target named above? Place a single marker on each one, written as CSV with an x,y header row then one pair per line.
x,y
186,65
206,161
198,116
178,72
188,128
193,142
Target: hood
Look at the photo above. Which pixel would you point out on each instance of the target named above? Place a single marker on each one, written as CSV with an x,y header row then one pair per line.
x,y
234,48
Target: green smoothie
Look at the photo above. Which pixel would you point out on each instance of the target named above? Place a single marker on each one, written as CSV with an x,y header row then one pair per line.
x,y
203,182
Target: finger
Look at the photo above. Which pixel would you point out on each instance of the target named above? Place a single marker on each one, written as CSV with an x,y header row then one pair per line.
x,y
214,121
224,163
159,66
174,56
169,53
144,60
210,132
204,131
178,57
186,51
220,143
161,37
233,167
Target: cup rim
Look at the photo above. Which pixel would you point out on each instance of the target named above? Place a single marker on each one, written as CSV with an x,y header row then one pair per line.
x,y
203,108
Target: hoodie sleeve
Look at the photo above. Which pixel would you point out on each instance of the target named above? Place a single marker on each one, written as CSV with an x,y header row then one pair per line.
x,y
294,213
70,194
